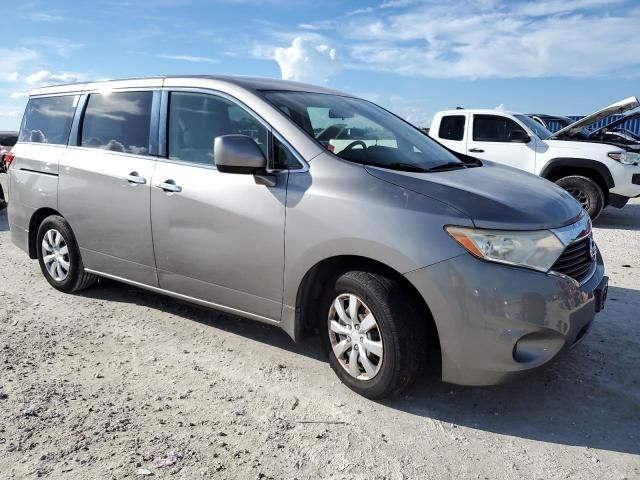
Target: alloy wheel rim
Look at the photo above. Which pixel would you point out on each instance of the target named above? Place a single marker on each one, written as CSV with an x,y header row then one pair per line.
x,y
356,339
581,197
55,255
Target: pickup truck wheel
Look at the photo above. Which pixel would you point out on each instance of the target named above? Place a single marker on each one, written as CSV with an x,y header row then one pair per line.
x,y
585,191
375,336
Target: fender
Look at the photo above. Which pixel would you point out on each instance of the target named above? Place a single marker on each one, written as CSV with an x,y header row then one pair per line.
x,y
581,163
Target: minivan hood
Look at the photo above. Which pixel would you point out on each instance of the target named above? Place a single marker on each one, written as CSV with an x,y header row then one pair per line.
x,y
618,107
493,196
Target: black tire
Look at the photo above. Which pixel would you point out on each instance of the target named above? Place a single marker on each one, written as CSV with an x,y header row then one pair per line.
x,y
76,279
586,191
402,330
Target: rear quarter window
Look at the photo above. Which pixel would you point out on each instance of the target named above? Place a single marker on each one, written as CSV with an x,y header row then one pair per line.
x,y
452,127
48,119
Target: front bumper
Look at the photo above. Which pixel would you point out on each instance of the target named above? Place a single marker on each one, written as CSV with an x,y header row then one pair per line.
x,y
626,179
496,323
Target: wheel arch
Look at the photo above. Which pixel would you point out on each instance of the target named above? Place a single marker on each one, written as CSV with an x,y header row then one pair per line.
x,y
558,168
35,221
307,318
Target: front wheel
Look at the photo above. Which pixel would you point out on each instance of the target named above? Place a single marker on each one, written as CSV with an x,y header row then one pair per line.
x,y
376,337
585,191
59,256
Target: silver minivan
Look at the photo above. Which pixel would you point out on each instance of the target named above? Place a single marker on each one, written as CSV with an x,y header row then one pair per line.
x,y
309,209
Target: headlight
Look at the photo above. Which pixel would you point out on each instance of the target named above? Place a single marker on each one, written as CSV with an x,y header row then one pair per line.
x,y
537,249
626,158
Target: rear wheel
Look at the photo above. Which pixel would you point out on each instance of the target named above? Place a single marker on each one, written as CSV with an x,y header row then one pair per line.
x,y
586,191
59,256
376,337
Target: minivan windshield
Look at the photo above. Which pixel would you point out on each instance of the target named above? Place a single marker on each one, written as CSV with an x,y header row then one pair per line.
x,y
361,132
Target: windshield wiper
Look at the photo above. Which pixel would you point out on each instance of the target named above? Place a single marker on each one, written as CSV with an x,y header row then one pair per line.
x,y
407,167
446,166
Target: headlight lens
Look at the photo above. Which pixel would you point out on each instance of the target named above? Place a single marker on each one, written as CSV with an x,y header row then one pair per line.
x,y
537,249
626,158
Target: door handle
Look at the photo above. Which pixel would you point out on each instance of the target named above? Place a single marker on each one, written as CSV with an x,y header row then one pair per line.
x,y
169,186
476,150
135,179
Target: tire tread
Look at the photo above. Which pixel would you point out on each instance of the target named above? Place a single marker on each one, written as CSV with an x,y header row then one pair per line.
x,y
407,327
83,279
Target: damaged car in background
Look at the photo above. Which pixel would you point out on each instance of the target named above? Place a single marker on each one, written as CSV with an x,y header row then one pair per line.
x,y
597,171
7,141
613,133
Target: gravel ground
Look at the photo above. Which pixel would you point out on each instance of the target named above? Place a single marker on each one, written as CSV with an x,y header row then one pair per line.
x,y
117,382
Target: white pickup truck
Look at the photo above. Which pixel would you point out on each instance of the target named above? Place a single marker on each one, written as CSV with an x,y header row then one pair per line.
x,y
596,173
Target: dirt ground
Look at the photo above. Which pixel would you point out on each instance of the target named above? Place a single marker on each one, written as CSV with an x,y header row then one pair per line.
x,y
117,382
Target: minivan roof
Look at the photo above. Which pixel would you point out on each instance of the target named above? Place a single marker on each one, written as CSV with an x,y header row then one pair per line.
x,y
248,83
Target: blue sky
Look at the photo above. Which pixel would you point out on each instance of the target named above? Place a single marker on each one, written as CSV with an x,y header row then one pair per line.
x,y
414,57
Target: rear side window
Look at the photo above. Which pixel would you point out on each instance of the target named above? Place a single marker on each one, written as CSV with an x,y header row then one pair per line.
x,y
48,120
452,127
491,128
196,119
118,122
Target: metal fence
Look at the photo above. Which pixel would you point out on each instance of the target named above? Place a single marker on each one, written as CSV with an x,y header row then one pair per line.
x,y
631,125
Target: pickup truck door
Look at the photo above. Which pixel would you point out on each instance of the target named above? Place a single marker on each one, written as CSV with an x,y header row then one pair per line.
x,y
452,132
490,137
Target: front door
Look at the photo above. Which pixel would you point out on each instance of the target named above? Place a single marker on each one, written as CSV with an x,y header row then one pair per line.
x,y
490,139
104,186
218,237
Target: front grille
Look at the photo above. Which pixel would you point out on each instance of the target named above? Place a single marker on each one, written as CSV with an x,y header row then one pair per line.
x,y
576,261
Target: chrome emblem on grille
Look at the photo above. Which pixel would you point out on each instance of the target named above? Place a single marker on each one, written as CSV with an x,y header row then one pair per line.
x,y
593,250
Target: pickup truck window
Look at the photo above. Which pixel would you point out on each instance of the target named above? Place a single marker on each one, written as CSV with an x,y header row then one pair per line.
x,y
538,129
493,128
452,127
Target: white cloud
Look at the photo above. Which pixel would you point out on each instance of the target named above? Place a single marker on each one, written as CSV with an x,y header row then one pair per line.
x,y
319,25
61,46
384,5
39,79
14,59
9,113
499,39
414,110
45,77
189,58
37,13
306,61
548,7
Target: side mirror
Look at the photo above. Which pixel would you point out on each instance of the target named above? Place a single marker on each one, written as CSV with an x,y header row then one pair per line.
x,y
519,136
238,154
